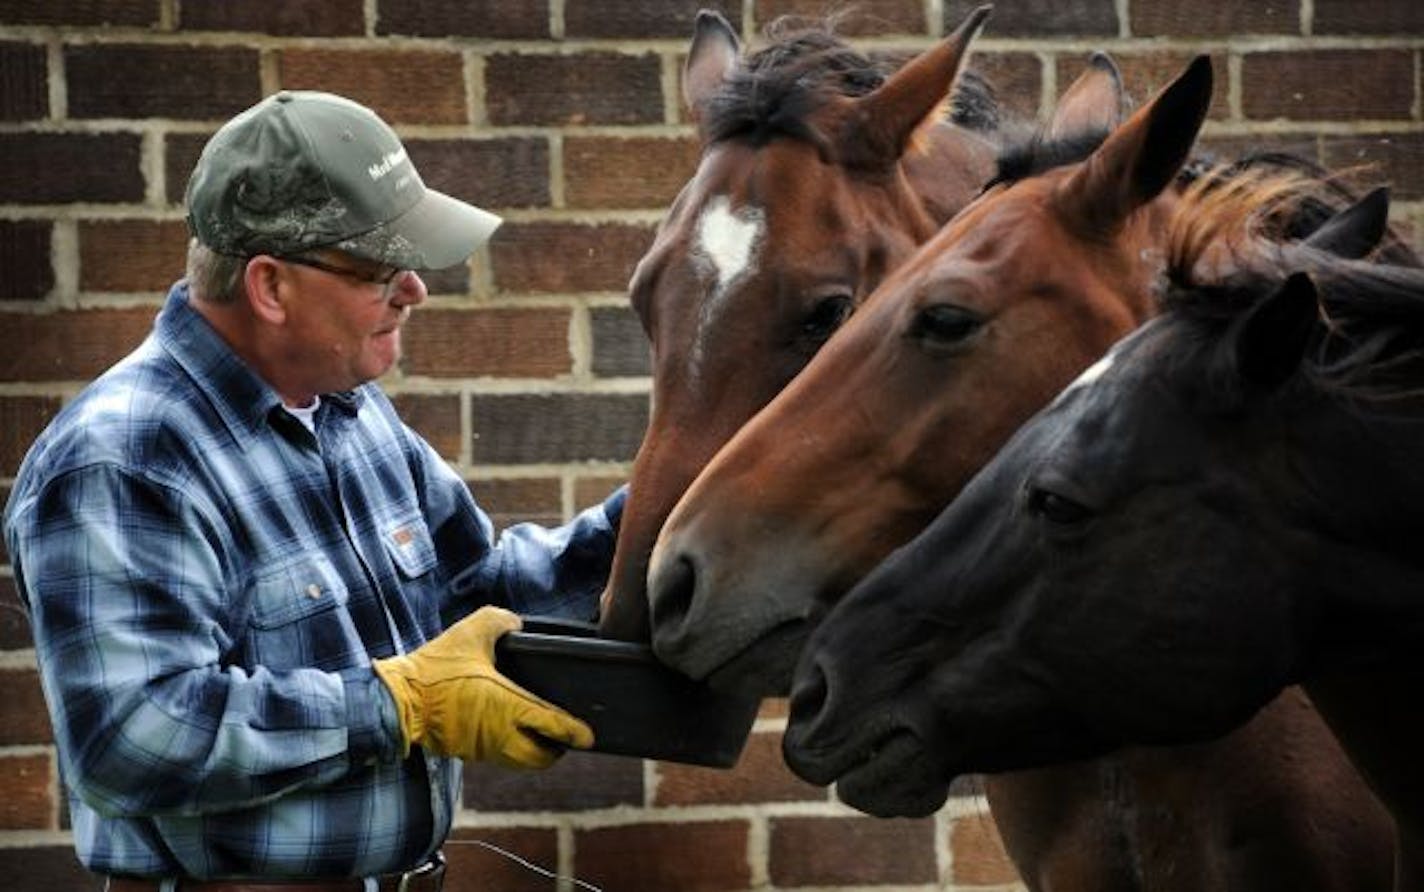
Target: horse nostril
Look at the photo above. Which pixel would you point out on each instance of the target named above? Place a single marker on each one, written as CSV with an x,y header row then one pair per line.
x,y
670,596
809,694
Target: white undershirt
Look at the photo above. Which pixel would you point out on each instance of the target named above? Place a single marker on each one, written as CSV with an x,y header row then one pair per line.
x,y
306,414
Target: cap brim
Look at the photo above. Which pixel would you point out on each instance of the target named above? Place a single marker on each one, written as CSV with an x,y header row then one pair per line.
x,y
436,233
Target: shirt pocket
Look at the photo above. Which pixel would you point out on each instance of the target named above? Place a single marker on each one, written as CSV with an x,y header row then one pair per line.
x,y
299,615
409,544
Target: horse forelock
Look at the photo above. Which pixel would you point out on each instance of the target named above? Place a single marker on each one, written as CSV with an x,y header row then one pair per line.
x,y
1227,253
781,89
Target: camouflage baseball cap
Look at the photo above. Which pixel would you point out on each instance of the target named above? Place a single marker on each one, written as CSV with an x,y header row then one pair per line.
x,y
303,170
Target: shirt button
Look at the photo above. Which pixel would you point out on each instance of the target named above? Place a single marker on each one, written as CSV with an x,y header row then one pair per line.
x,y
313,591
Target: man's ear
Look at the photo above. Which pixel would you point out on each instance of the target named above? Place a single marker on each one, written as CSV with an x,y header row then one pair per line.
x,y
261,280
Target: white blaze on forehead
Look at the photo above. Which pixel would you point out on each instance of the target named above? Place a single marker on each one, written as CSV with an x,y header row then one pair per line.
x,y
725,250
728,239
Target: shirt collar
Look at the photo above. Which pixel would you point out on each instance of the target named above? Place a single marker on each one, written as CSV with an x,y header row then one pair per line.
x,y
241,397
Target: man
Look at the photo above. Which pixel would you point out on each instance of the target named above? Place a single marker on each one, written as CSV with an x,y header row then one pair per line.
x,y
258,598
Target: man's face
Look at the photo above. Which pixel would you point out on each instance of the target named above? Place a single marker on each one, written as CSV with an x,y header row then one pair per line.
x,y
344,324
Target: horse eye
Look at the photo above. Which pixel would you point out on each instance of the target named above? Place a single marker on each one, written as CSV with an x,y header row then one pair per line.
x,y
945,324
1056,508
826,316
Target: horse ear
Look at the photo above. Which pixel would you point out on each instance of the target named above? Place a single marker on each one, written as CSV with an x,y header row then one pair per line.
x,y
715,53
897,107
1141,158
1355,231
1093,102
1272,338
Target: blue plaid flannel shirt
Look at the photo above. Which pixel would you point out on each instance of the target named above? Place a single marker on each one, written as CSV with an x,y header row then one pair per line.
x,y
208,584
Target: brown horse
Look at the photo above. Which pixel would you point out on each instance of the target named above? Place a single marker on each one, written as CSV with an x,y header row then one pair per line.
x,y
819,174
1019,293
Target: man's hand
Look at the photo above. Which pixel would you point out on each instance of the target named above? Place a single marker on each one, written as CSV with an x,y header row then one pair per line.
x,y
453,702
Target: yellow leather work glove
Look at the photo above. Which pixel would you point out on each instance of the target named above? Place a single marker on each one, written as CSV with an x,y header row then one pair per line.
x,y
453,702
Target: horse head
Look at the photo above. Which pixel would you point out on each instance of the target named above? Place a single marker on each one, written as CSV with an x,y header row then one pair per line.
x,y
804,199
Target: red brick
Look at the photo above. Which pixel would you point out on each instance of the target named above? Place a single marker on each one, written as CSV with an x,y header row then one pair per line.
x,y
296,18
1161,18
760,775
131,255
1395,159
55,168
511,172
138,13
24,91
1017,79
455,280
25,258
436,417
620,346
511,343
70,345
1390,18
468,18
14,622
587,88
1031,18
402,86
642,18
48,868
593,490
860,19
1144,74
180,156
702,856
23,717
627,172
774,708
557,427
851,851
534,499
147,81
567,257
577,782
26,800
1328,84
977,856
21,420
476,867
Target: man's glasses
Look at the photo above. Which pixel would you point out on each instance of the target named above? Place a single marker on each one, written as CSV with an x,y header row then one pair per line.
x,y
388,280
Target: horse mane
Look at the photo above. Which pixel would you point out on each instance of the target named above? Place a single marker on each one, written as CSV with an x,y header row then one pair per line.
x,y
778,88
1232,245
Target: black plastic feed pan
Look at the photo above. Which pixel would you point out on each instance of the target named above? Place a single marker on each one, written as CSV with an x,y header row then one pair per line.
x,y
636,705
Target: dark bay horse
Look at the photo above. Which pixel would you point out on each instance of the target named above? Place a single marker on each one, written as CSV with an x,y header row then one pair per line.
x,y
1228,503
1019,293
819,174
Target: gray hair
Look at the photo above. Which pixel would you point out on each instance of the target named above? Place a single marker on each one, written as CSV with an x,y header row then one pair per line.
x,y
213,277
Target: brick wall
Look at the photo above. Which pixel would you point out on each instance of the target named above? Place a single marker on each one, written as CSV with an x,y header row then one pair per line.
x,y
526,369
